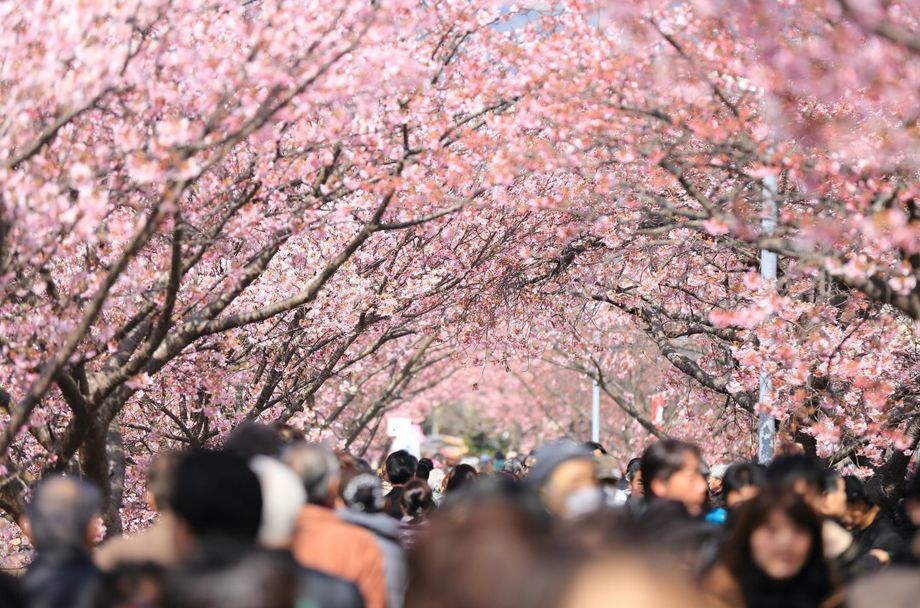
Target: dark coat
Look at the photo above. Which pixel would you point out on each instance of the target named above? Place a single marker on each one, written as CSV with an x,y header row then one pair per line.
x,y
61,578
326,591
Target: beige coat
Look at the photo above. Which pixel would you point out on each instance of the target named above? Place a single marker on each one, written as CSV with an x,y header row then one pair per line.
x,y
155,544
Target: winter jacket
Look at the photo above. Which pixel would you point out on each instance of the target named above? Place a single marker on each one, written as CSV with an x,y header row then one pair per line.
x,y
325,542
155,544
61,578
387,531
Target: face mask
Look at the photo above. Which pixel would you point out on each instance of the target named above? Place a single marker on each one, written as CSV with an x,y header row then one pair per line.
x,y
583,501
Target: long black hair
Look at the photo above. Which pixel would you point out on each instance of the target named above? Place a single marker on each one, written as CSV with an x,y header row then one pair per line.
x,y
810,586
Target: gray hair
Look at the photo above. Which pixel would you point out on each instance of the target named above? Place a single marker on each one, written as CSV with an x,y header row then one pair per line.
x,y
61,511
317,467
364,493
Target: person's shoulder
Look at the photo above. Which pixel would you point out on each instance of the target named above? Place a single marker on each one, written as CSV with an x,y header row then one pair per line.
x,y
894,587
721,587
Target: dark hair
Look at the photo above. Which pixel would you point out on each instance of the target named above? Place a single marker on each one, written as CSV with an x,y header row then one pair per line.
x,y
813,582
741,475
253,439
856,492
401,466
830,480
227,577
664,458
424,468
593,445
793,468
417,499
217,494
632,467
392,504
461,475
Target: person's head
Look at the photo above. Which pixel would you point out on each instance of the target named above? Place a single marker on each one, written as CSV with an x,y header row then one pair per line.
x,y
912,499
283,497
362,492
607,470
161,476
437,479
254,439
318,469
564,474
480,549
803,473
459,476
595,448
777,542
671,470
529,460
63,514
218,578
217,496
741,483
513,467
424,468
833,501
716,476
400,467
634,476
860,509
416,500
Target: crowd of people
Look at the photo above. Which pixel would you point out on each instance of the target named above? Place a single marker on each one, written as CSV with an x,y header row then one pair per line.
x,y
271,521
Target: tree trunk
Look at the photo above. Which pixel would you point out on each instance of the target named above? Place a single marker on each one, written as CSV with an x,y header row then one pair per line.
x,y
115,454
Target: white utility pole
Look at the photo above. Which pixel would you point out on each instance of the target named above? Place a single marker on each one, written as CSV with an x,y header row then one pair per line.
x,y
595,411
766,424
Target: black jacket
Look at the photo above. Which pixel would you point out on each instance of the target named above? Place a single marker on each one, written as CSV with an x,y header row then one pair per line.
x,y
882,534
61,578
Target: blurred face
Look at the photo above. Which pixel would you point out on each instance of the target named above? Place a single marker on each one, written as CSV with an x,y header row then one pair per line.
x,y
715,485
569,478
626,581
686,485
834,501
737,497
912,507
857,516
780,547
635,484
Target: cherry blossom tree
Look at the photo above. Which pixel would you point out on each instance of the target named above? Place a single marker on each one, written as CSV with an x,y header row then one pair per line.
x,y
216,212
